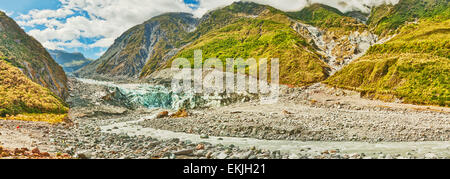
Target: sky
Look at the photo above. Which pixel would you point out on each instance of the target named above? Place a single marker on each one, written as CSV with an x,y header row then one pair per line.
x,y
91,26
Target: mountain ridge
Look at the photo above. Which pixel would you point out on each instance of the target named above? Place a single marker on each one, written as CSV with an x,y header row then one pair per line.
x,y
333,40
26,53
141,45
262,33
69,61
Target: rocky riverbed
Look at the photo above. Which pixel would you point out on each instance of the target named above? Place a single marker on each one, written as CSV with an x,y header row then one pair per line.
x,y
314,122
317,113
290,121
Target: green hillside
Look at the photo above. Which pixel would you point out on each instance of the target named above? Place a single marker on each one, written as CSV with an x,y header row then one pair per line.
x,y
413,66
326,17
387,18
19,95
212,21
269,35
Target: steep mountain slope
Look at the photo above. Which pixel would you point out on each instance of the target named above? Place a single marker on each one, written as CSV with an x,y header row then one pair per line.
x,y
69,61
338,36
147,43
26,53
326,17
386,19
18,94
413,66
257,31
214,20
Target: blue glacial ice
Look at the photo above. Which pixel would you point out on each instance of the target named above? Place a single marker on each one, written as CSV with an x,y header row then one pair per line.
x,y
152,96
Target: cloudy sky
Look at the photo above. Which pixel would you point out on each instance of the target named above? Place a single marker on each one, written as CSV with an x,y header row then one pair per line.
x,y
90,26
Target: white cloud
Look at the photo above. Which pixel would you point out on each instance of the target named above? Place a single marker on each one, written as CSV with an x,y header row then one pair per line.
x,y
296,5
106,20
105,42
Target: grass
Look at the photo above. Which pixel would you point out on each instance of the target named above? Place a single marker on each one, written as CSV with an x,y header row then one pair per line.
x,y
216,19
386,20
49,118
414,66
19,95
262,38
428,36
415,78
326,17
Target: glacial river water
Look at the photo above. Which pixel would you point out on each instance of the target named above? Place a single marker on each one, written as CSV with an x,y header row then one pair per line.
x,y
440,149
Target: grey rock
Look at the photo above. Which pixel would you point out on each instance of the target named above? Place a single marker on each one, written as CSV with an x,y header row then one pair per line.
x,y
293,156
184,152
83,155
246,155
204,136
430,156
222,155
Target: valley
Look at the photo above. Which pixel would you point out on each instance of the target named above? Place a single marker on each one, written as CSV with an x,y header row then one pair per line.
x,y
313,122
352,85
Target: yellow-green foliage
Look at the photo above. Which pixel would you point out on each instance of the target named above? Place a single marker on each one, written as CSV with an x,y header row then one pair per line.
x,y
413,66
428,36
386,19
18,94
263,38
215,20
329,18
50,118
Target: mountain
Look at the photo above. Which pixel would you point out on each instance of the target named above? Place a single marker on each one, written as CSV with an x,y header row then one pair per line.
x,y
413,65
250,30
212,20
323,16
69,61
150,44
396,51
340,37
179,31
18,94
386,19
26,53
258,32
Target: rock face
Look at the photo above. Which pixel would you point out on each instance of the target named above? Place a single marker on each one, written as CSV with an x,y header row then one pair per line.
x,y
69,61
341,38
148,43
30,56
338,49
